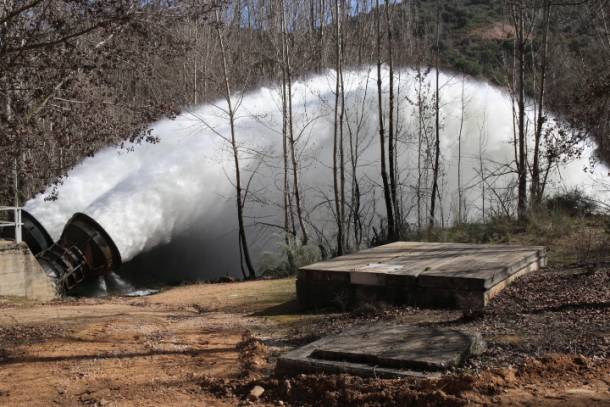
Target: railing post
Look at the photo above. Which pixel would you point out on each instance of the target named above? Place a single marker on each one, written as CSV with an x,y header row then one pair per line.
x,y
17,225
17,216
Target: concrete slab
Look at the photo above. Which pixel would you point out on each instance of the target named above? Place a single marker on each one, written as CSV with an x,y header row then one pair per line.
x,y
384,350
423,272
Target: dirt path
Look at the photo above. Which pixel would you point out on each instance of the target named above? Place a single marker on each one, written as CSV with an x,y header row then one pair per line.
x,y
144,351
114,353
185,346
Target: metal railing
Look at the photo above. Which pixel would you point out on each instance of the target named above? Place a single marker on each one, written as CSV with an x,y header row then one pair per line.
x,y
16,223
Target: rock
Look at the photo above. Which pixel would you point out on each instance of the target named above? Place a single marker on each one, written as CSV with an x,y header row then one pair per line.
x,y
287,387
477,344
256,393
581,360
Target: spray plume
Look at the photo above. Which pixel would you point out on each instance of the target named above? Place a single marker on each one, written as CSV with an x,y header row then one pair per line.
x,y
148,194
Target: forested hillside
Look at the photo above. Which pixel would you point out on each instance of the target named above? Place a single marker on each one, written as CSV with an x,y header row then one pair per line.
x,y
76,76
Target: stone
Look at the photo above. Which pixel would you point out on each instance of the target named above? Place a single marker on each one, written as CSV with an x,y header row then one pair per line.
x,y
287,387
256,392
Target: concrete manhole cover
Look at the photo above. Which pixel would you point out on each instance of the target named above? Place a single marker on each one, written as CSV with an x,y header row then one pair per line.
x,y
385,350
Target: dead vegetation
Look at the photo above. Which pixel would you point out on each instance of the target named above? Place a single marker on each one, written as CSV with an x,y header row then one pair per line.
x,y
575,235
558,311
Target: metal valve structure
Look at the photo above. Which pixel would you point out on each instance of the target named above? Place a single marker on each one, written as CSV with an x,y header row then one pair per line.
x,y
84,251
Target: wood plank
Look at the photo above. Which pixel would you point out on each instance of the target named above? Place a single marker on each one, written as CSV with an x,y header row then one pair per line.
x,y
423,266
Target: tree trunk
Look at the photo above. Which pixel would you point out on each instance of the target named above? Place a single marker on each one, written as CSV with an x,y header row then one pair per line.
x,y
295,169
536,188
238,189
420,141
321,36
437,147
285,184
384,174
519,23
336,131
459,167
391,131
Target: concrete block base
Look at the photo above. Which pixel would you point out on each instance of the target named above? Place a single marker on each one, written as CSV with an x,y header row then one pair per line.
x,y
21,275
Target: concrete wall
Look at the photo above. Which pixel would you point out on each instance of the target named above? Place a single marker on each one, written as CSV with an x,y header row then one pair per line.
x,y
21,275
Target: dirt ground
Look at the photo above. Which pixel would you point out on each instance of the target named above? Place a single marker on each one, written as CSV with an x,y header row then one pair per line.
x,y
548,336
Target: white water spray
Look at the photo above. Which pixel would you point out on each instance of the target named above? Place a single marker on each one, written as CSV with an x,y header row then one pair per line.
x,y
156,192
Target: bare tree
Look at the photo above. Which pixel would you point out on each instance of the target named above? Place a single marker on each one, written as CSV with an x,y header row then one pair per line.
x,y
239,198
460,217
517,9
437,148
391,130
295,168
338,155
536,188
384,174
355,147
289,226
321,43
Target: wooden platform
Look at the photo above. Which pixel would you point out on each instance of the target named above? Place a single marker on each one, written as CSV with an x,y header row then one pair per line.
x,y
452,275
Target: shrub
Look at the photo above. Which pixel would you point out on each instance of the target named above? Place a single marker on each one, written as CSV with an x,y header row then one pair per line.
x,y
544,225
591,246
572,203
495,230
288,259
